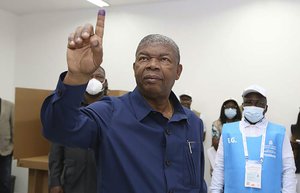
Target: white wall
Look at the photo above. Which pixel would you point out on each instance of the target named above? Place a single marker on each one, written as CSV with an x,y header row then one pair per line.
x,y
225,46
8,35
8,23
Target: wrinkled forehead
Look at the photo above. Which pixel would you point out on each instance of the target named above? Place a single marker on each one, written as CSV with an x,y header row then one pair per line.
x,y
153,46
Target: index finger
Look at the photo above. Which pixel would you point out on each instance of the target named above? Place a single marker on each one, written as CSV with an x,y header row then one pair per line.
x,y
100,23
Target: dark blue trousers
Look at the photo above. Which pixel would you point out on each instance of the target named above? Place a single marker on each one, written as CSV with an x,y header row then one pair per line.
x,y
5,173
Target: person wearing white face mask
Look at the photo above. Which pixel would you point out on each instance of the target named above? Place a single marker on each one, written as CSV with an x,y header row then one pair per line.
x,y
94,87
230,112
97,87
254,155
73,170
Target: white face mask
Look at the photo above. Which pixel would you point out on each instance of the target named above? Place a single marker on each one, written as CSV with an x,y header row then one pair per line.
x,y
94,87
253,113
230,113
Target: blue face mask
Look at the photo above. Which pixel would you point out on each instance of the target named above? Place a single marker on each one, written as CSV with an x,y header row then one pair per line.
x,y
253,114
230,113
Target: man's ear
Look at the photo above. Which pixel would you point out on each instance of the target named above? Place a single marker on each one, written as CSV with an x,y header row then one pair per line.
x,y
266,109
105,83
179,70
242,106
133,67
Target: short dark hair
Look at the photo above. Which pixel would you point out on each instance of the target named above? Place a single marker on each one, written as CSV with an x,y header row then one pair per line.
x,y
238,115
161,39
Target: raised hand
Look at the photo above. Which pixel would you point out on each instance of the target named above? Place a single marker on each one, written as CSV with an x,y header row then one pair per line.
x,y
85,52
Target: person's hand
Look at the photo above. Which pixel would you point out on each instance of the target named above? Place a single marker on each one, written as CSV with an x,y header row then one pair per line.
x,y
56,189
84,54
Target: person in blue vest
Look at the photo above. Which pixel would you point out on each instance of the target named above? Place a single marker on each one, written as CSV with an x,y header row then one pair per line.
x,y
254,155
144,141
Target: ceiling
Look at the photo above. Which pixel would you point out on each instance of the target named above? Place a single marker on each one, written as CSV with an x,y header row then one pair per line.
x,y
21,7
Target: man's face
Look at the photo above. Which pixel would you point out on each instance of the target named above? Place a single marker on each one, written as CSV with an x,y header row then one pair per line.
x,y
156,68
186,102
99,74
255,99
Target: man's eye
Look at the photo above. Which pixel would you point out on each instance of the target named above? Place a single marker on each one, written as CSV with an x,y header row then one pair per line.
x,y
165,60
143,59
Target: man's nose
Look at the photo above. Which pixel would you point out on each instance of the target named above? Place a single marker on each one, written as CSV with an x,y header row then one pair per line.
x,y
153,63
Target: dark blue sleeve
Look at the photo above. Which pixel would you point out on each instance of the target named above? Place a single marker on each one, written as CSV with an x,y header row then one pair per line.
x,y
65,121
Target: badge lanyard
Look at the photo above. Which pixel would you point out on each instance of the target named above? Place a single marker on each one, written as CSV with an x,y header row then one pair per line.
x,y
253,168
262,146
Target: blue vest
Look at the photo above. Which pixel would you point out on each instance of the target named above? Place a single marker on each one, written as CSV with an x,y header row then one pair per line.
x,y
234,159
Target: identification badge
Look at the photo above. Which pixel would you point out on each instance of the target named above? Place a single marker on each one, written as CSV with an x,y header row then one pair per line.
x,y
253,174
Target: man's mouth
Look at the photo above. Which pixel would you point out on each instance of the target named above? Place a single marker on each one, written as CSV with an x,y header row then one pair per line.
x,y
152,78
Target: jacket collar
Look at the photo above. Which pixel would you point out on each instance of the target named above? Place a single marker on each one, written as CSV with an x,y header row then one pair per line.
x,y
143,109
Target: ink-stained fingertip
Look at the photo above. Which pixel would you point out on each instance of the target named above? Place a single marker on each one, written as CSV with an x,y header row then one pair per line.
x,y
101,12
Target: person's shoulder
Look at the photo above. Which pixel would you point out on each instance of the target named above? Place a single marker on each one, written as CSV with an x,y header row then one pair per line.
x,y
112,101
217,123
232,123
192,116
7,102
116,93
276,127
293,126
189,112
120,98
196,112
295,129
230,126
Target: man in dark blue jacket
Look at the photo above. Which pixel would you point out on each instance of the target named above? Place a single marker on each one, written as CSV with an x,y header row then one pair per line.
x,y
73,170
144,141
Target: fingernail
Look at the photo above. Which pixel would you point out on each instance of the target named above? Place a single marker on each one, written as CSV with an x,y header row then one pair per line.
x,y
101,12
